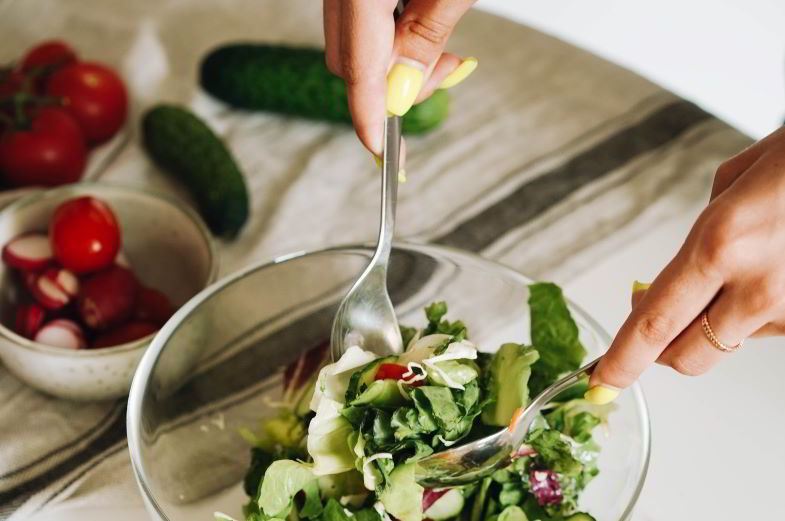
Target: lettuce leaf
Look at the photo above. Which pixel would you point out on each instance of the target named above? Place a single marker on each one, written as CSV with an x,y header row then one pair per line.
x,y
507,381
554,335
554,451
282,481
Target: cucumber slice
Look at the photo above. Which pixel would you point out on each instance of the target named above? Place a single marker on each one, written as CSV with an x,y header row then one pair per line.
x,y
381,393
447,506
364,377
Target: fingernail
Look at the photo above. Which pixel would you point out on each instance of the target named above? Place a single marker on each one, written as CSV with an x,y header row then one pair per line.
x,y
640,286
401,175
377,161
403,84
601,394
461,72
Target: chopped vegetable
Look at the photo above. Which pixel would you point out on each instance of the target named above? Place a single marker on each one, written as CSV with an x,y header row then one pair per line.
x,y
371,419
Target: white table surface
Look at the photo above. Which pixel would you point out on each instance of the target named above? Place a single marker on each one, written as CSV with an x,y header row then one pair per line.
x,y
726,55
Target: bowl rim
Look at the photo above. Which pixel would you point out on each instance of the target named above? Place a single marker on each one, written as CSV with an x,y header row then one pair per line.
x,y
35,195
149,358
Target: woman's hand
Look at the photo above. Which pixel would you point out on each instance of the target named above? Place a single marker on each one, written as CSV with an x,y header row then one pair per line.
x,y
730,265
404,60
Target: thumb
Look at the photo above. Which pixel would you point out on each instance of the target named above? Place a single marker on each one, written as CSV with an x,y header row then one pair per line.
x,y
421,33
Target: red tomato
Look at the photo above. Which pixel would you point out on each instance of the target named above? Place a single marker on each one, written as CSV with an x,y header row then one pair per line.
x,y
51,53
394,372
51,152
85,235
96,97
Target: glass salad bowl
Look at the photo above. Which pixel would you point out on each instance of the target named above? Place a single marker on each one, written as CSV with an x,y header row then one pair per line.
x,y
216,368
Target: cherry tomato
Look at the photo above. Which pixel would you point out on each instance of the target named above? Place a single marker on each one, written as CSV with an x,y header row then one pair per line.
x,y
394,372
51,53
51,152
96,97
85,235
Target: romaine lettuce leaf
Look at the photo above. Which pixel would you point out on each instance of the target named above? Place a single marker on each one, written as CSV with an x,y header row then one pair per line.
x,y
507,383
554,335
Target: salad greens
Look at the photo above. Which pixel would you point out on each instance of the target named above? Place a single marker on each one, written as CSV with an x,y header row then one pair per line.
x,y
345,443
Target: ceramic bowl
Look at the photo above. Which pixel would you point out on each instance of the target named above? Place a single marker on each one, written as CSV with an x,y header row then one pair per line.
x,y
168,247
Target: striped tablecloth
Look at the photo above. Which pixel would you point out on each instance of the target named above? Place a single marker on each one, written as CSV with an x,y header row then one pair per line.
x,y
550,159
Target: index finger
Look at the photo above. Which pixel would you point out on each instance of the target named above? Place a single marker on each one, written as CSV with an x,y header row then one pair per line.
x,y
676,297
368,31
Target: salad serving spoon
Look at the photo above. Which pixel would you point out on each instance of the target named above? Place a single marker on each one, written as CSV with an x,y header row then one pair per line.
x,y
472,461
366,316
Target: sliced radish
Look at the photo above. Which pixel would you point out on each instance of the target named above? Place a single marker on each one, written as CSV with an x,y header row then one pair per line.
x,y
29,252
61,333
153,306
63,279
107,298
46,290
127,332
29,318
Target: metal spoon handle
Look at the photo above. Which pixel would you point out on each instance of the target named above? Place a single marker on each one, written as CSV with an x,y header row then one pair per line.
x,y
390,167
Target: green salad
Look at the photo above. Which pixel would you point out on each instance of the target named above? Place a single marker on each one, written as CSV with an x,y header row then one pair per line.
x,y
348,434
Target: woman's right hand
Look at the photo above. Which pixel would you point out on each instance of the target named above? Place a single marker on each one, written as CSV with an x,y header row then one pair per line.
x,y
388,65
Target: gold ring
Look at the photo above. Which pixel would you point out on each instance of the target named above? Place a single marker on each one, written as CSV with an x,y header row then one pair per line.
x,y
713,337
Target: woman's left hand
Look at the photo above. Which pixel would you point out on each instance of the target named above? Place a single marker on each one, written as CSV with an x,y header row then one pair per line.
x,y
731,265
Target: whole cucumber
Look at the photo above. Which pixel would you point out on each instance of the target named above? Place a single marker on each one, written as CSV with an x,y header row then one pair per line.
x,y
183,145
295,80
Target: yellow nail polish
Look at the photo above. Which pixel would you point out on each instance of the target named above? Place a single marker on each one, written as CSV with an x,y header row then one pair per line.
x,y
403,85
401,175
462,72
601,394
377,161
640,286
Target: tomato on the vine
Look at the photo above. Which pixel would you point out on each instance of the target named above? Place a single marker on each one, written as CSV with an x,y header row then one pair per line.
x,y
48,151
11,82
96,97
51,53
85,235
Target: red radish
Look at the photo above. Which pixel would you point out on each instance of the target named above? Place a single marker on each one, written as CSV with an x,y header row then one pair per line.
x,y
85,235
64,280
28,252
107,298
431,496
61,333
152,306
46,290
127,332
29,318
